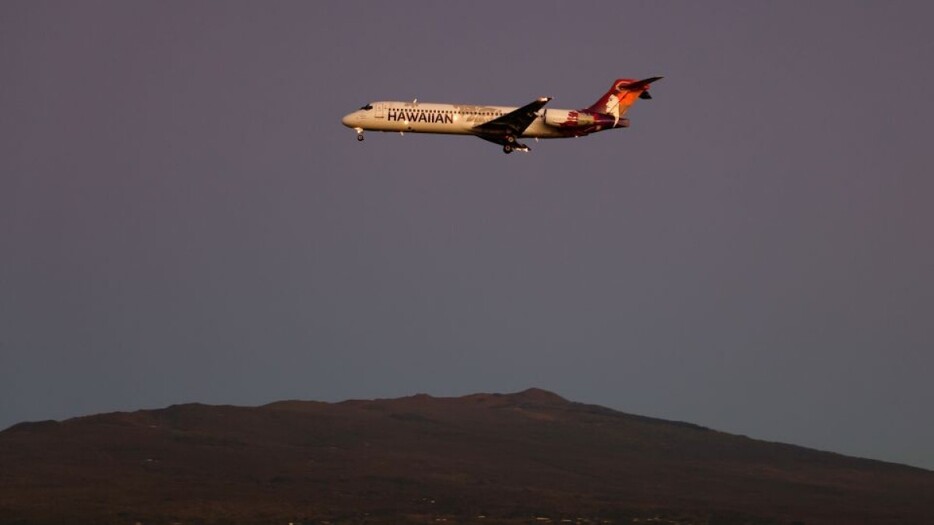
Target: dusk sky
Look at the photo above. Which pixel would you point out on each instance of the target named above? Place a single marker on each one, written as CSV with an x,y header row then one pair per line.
x,y
183,218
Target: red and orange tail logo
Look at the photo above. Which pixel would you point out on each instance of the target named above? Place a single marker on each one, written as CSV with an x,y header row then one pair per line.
x,y
622,94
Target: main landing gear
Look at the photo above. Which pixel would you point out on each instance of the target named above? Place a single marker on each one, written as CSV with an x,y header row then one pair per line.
x,y
511,145
518,147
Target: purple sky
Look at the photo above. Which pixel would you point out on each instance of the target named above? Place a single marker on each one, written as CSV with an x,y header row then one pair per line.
x,y
183,217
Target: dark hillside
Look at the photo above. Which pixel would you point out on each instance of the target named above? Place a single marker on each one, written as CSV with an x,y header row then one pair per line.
x,y
510,458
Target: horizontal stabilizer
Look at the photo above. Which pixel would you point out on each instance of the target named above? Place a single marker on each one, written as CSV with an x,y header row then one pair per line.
x,y
641,84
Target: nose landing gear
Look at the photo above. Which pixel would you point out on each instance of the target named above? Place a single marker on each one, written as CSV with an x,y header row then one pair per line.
x,y
359,135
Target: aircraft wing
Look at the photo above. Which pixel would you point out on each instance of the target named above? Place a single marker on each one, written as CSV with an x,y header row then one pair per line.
x,y
510,124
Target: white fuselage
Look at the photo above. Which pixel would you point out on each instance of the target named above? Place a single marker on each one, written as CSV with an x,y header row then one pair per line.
x,y
455,119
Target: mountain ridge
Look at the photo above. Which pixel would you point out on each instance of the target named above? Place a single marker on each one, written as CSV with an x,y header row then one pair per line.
x,y
509,457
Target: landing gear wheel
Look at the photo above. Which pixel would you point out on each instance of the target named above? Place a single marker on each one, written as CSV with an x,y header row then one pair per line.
x,y
507,149
360,137
510,139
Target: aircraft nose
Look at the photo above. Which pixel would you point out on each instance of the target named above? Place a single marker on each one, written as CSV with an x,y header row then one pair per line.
x,y
347,120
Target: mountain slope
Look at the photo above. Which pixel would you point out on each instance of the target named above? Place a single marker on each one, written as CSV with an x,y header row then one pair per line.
x,y
507,457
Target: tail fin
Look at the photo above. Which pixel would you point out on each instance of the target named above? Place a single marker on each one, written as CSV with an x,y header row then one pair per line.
x,y
621,95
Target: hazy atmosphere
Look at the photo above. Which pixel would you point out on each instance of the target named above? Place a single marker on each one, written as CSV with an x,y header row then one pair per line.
x,y
183,218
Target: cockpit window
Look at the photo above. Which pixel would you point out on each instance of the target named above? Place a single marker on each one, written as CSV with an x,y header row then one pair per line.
x,y
367,107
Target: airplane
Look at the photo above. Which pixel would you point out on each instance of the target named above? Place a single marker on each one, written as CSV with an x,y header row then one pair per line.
x,y
502,125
